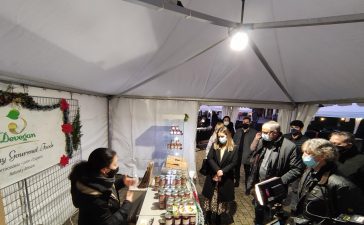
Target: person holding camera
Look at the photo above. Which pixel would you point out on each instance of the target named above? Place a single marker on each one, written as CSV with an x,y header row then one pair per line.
x,y
94,190
273,156
323,194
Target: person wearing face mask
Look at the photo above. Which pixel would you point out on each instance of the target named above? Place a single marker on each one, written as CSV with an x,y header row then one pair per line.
x,y
219,183
94,190
243,138
227,123
213,137
350,163
298,139
273,156
295,134
323,194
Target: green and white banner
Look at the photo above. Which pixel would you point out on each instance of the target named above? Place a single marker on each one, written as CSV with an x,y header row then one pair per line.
x,y
30,141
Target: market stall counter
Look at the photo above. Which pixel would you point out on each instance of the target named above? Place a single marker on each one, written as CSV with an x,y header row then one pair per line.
x,y
171,199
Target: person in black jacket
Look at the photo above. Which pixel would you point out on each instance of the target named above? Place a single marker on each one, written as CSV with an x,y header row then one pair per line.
x,y
219,184
243,138
273,156
323,194
350,163
94,190
227,123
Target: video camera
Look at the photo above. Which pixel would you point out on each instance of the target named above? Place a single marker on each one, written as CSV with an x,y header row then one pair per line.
x,y
270,191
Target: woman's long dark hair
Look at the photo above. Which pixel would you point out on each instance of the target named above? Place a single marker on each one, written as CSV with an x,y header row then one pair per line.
x,y
98,159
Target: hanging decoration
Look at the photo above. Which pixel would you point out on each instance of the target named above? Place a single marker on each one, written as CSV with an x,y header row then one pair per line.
x,y
64,161
186,117
76,133
72,131
24,100
67,127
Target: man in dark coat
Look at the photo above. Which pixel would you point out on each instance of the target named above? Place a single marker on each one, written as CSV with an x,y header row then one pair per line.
x,y
295,134
351,162
298,139
243,138
274,156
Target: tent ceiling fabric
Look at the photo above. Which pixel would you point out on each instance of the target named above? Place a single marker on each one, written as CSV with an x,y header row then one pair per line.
x,y
316,63
257,11
110,47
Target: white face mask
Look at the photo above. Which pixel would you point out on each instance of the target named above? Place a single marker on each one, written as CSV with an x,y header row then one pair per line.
x,y
222,140
226,123
266,137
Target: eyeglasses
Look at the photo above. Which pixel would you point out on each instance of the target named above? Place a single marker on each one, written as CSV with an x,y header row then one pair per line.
x,y
268,132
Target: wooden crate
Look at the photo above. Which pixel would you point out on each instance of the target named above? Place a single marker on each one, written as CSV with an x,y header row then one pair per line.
x,y
175,162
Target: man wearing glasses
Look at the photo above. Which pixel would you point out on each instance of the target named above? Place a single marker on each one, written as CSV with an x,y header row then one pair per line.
x,y
274,156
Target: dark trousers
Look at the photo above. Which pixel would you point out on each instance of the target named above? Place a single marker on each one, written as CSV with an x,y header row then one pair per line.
x,y
247,173
237,167
262,213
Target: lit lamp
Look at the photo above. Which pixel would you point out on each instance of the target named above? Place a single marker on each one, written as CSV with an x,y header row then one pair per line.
x,y
239,41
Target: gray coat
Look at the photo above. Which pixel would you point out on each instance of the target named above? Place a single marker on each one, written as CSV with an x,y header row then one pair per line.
x,y
288,166
248,139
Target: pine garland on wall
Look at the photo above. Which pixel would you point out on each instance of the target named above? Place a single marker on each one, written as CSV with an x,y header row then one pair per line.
x,y
76,133
72,131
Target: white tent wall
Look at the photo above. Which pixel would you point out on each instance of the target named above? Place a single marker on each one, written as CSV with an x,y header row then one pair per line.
x,y
303,112
134,126
56,207
231,111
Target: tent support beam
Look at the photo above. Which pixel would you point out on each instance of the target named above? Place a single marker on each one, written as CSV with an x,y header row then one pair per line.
x,y
352,18
335,101
163,72
19,80
207,100
270,70
161,4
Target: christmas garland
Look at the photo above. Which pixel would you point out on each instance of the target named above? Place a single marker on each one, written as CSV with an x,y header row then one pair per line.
x,y
24,100
76,133
72,132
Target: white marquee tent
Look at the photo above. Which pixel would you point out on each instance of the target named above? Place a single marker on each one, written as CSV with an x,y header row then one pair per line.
x,y
156,58
301,53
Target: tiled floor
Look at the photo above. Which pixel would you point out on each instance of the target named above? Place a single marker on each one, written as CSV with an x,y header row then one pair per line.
x,y
244,214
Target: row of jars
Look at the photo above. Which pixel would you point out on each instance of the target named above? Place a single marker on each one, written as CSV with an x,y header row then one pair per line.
x,y
169,180
184,219
176,197
175,131
175,145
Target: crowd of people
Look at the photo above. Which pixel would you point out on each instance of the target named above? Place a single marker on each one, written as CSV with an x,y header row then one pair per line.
x,y
324,178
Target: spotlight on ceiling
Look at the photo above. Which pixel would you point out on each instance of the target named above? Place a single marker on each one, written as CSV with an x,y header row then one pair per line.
x,y
239,41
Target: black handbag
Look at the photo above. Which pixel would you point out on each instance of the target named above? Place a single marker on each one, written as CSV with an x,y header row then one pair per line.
x,y
204,167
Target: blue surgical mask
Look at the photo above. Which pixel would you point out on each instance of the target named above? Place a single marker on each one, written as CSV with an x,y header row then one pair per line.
x,y
309,161
222,140
266,137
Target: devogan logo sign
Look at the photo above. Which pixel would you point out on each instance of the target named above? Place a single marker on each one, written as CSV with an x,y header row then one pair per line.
x,y
30,141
